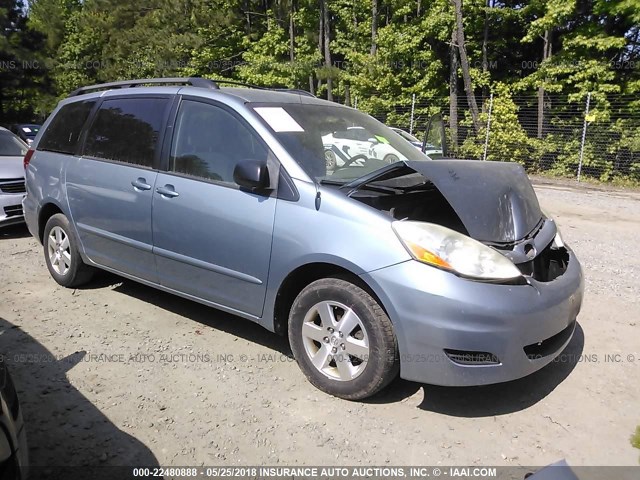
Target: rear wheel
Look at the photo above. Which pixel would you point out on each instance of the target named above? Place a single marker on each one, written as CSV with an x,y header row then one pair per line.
x,y
342,339
61,253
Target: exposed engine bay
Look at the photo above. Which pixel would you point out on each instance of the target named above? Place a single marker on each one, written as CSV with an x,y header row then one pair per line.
x,y
511,222
424,204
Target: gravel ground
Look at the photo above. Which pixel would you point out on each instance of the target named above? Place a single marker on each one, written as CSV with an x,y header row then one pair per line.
x,y
120,374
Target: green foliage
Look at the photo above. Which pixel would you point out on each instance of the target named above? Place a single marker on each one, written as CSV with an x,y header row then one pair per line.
x,y
635,438
50,18
23,82
507,139
96,40
594,49
611,151
589,43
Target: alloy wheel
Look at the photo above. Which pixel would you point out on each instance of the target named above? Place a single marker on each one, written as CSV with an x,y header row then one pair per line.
x,y
59,250
335,340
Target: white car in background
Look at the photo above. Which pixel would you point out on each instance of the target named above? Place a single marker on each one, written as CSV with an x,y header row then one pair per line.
x,y
342,145
12,152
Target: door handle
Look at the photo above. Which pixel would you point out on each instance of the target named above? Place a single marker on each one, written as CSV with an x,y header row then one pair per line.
x,y
167,191
141,184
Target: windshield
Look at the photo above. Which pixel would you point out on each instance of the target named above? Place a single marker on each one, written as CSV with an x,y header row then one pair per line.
x,y
335,143
11,146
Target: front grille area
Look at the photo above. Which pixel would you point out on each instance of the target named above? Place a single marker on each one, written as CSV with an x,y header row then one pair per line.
x,y
15,185
13,211
550,345
468,357
548,264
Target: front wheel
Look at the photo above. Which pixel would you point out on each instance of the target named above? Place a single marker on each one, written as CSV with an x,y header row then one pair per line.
x,y
330,160
342,339
391,158
61,253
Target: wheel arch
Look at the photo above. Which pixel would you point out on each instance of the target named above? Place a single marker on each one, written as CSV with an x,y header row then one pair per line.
x,y
302,276
48,210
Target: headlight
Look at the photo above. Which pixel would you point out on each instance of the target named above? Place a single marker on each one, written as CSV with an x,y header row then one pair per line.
x,y
444,248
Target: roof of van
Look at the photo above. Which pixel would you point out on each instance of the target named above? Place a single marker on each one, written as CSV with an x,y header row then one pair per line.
x,y
268,96
199,87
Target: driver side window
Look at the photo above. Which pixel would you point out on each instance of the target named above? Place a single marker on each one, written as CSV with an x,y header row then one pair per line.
x,y
209,142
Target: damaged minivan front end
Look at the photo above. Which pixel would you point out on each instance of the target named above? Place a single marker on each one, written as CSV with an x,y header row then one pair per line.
x,y
492,292
473,277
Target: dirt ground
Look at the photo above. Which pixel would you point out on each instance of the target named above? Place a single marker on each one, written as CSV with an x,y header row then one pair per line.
x,y
120,374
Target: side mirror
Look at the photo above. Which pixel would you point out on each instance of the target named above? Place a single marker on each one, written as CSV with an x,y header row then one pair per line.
x,y
251,174
373,140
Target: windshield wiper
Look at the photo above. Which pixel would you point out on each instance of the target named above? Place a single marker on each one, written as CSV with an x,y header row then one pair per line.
x,y
383,173
377,188
331,182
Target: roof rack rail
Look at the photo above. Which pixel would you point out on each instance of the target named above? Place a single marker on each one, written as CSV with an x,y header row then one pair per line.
x,y
192,81
276,89
299,91
240,84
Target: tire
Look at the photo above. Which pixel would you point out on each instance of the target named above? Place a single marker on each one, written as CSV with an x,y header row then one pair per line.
x,y
330,159
348,334
391,158
61,253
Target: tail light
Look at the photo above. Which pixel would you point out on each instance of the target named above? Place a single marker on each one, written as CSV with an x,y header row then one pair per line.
x,y
27,158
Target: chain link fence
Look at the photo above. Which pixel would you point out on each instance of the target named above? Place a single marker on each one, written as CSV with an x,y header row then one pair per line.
x,y
594,136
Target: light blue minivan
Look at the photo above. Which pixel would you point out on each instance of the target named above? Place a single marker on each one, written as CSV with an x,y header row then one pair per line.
x,y
442,271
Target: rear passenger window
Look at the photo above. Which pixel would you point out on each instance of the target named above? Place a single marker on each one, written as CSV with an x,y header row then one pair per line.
x,y
63,132
127,130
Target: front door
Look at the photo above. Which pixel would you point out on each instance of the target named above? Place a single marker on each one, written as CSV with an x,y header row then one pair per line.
x,y
212,240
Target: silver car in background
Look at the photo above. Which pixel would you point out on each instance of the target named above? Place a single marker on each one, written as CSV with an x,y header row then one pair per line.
x,y
12,189
444,272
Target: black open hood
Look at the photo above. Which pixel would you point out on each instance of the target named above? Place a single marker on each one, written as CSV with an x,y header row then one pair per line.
x,y
494,200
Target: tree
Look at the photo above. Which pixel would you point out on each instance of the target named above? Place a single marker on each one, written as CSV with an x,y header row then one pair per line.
x,y
50,17
464,63
507,140
326,40
374,26
24,90
553,13
375,53
588,39
453,90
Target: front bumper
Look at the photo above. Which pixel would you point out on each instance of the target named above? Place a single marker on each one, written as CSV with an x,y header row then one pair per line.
x,y
433,310
11,208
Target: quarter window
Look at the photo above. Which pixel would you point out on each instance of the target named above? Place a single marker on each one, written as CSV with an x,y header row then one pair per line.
x,y
63,132
209,142
127,130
